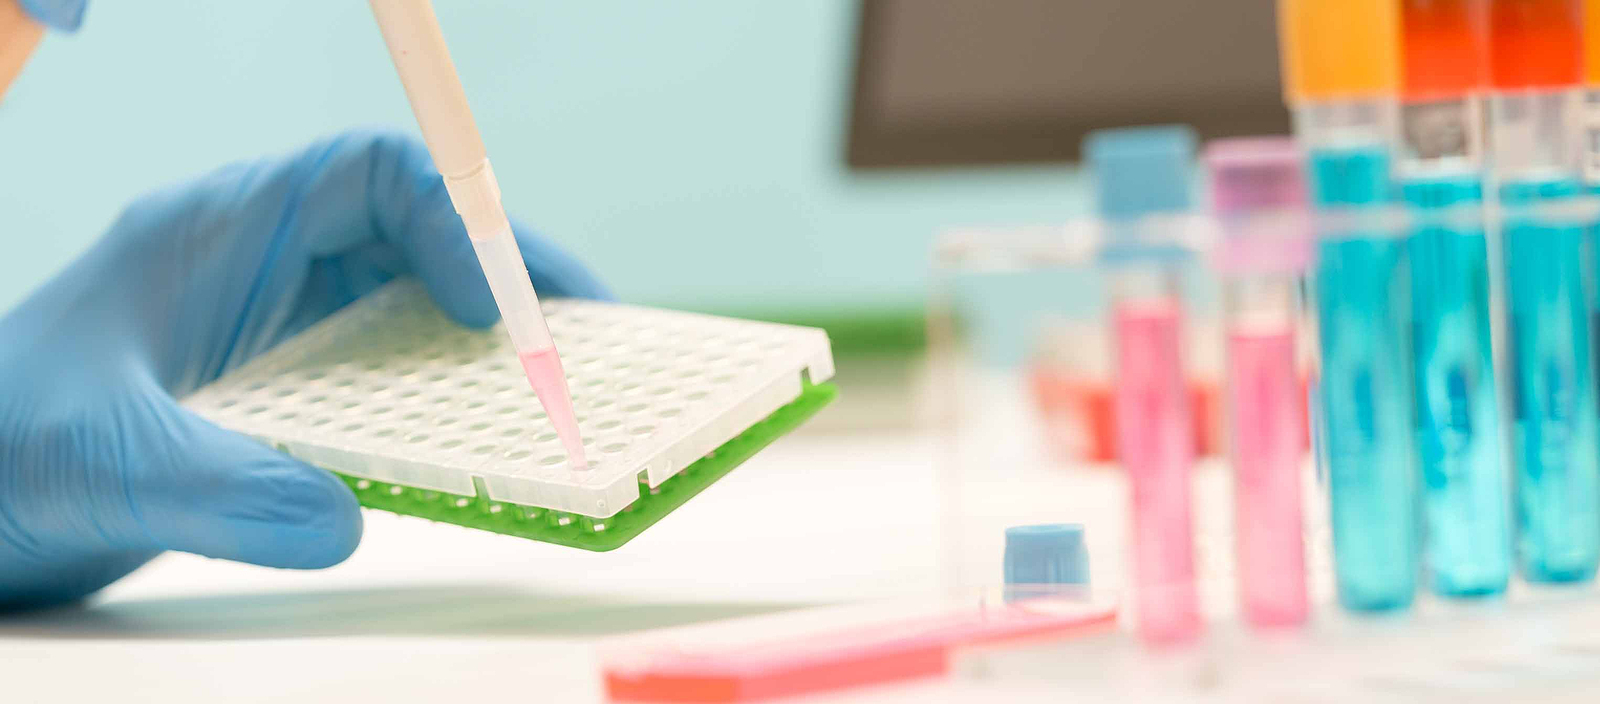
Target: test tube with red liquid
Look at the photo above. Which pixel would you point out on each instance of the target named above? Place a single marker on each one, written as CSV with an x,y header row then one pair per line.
x,y
1143,183
1259,202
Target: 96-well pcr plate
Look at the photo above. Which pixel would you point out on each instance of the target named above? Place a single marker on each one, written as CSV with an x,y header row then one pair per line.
x,y
425,417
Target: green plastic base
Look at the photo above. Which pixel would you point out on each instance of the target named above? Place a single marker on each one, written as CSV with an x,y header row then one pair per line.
x,y
597,534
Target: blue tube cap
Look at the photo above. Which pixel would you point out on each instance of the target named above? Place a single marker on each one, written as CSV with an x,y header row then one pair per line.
x,y
1141,171
1046,554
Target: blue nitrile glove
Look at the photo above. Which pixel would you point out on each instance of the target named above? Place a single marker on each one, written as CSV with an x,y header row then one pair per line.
x,y
101,469
65,15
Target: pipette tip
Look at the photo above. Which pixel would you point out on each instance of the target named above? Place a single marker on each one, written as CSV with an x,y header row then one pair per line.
x,y
549,382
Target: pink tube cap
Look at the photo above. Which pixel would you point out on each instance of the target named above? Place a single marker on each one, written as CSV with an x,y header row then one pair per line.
x,y
1255,173
1258,193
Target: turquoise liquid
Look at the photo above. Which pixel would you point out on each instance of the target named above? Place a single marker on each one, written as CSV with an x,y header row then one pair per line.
x,y
1365,387
1465,507
1557,438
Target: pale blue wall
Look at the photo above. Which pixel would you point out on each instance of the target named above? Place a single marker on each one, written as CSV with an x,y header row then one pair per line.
x,y
690,149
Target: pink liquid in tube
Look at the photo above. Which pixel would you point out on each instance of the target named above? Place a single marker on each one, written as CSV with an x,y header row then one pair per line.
x,y
1265,402
549,382
1156,444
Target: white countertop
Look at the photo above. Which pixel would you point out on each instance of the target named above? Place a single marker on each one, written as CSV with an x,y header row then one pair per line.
x,y
432,612
426,611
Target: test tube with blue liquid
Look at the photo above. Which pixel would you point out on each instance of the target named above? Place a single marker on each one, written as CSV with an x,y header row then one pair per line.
x,y
1340,76
1591,96
1591,141
1466,507
1535,137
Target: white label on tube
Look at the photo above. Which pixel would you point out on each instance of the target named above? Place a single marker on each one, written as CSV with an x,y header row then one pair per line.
x,y
1591,136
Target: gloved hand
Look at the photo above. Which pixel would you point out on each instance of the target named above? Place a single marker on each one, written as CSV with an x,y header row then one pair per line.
x,y
64,15
101,469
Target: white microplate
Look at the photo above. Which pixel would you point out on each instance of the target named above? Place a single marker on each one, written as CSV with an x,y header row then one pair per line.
x,y
389,389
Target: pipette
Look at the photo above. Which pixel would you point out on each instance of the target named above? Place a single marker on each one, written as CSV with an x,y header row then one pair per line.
x,y
1341,71
417,47
1465,499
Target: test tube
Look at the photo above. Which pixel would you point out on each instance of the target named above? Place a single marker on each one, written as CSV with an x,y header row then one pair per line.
x,y
1535,54
1143,184
1591,127
1466,516
1258,198
1591,95
1341,66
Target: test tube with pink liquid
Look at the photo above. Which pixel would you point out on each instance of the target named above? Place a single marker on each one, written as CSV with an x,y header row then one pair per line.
x,y
1259,203
1143,182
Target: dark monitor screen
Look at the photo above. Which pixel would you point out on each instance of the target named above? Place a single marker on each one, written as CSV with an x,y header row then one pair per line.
x,y
950,82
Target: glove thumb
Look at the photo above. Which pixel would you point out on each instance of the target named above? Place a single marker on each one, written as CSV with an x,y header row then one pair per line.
x,y
224,495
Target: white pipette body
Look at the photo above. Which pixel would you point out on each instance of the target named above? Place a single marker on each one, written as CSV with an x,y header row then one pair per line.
x,y
417,47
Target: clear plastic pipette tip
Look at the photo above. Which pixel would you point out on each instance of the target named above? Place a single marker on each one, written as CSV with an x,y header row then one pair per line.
x,y
519,307
549,382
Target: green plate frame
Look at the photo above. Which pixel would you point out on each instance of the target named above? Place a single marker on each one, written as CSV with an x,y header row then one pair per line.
x,y
597,534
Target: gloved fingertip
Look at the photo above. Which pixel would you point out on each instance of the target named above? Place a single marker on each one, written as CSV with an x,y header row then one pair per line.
x,y
466,308
233,498
63,15
449,269
583,284
556,272
316,520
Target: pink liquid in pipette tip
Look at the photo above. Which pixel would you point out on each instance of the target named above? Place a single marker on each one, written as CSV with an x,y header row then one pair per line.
x,y
1264,395
549,382
1156,444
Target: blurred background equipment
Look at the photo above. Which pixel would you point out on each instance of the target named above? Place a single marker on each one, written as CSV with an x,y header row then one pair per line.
x,y
955,82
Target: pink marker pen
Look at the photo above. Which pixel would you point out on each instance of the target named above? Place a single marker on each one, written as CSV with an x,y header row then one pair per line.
x,y
1259,200
1142,180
